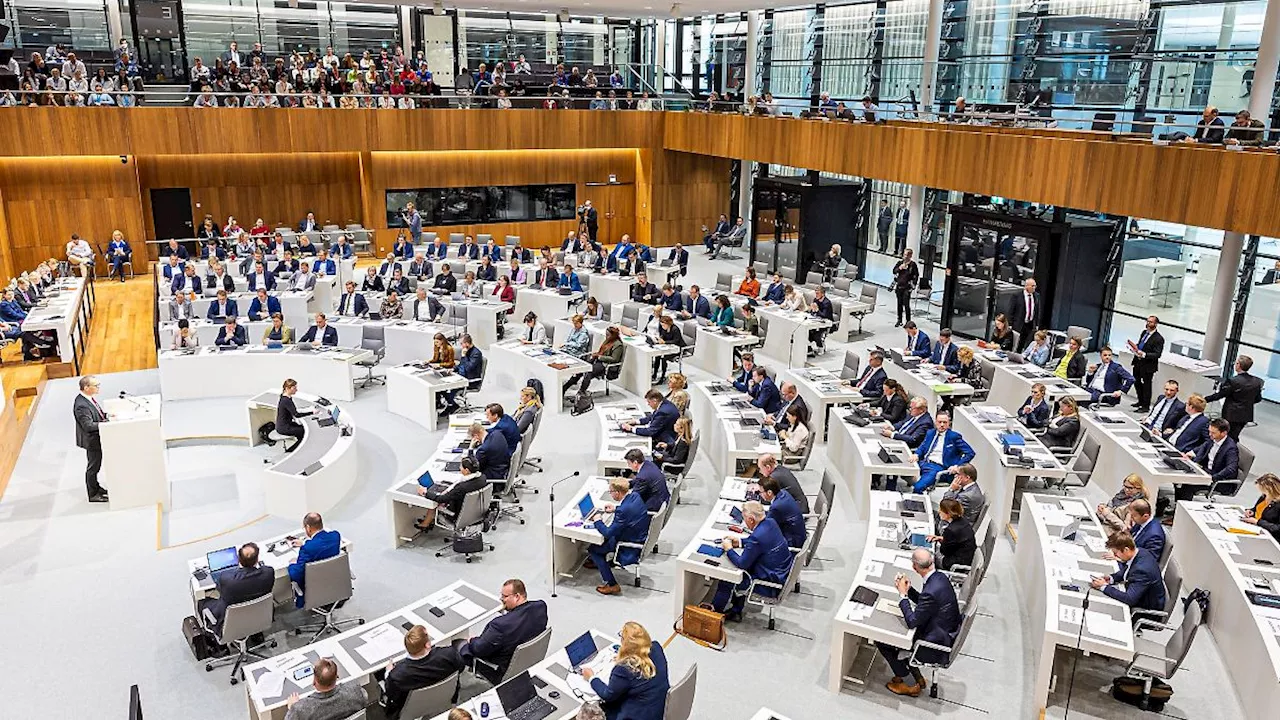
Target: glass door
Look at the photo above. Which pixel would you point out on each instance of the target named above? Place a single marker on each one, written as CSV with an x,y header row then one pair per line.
x,y
991,267
157,25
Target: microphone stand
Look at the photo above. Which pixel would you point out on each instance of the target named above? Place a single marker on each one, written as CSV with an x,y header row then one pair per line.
x,y
126,396
1075,661
551,511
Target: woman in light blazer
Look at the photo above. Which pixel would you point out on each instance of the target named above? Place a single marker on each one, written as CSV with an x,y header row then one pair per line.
x,y
277,331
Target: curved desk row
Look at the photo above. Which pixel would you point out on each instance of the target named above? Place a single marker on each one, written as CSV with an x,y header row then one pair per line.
x,y
637,359
699,573
321,470
855,452
404,340
719,410
207,372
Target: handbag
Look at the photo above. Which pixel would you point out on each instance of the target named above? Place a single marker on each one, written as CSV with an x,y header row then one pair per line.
x,y
704,626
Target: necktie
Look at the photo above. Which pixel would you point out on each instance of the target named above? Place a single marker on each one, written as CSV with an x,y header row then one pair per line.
x,y
934,445
101,415
1028,307
866,375
1142,340
1157,419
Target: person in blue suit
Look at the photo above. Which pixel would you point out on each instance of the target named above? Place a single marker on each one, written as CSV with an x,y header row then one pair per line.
x,y
1145,529
775,293
671,300
941,452
1219,456
222,307
187,282
917,342
322,332
1167,411
231,334
913,428
933,613
173,249
261,278
569,279
764,394
522,620
1107,380
764,556
870,384
469,250
172,269
696,304
1035,410
402,248
680,258
470,366
324,265
647,480
491,250
630,525
263,306
212,250
491,451
352,303
343,250
118,252
1192,430
638,684
945,354
10,310
438,250
499,420
742,381
1139,573
722,229
320,545
784,510
659,424
620,252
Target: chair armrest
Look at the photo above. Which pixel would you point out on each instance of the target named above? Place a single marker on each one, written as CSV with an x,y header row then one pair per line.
x,y
958,572
1148,624
1155,616
915,649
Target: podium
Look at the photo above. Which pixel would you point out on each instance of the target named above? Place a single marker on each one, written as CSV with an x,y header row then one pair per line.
x,y
133,453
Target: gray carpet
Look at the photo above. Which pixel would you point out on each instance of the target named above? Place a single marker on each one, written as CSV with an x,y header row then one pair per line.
x,y
89,605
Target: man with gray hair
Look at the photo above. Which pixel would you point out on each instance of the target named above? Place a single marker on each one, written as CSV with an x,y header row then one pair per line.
x,y
932,612
764,555
770,467
89,414
590,711
790,398
964,488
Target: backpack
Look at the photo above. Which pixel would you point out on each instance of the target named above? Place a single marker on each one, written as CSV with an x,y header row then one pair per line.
x,y
536,384
582,403
264,434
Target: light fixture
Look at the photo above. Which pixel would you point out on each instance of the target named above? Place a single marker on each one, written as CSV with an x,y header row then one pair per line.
x,y
438,7
676,9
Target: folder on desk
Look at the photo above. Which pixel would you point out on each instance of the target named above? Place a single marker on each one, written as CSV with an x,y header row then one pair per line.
x,y
711,550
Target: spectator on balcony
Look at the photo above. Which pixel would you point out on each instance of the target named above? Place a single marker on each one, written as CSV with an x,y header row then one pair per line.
x,y
522,66
499,76
598,103
206,98
1209,130
100,97
233,54
591,80
561,78
575,78
100,77
644,103
1245,131
825,102
56,82
122,50
481,80
38,67
201,75
77,87
615,79
71,65
504,102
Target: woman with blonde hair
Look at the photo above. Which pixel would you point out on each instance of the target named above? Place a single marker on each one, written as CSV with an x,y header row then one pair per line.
x,y
528,409
673,458
680,398
676,381
637,687
1265,513
1114,512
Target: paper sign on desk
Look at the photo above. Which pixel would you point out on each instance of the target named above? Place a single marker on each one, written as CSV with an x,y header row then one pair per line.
x,y
1069,614
875,569
380,643
444,599
1069,549
889,606
1094,543
1105,626
902,561
859,612
468,609
270,684
1227,544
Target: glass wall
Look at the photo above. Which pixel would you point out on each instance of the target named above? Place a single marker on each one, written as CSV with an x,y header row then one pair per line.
x,y
210,25
76,24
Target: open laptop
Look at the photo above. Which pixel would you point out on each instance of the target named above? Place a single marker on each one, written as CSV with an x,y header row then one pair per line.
x,y
1015,358
221,561
915,506
520,700
1071,531
587,509
582,649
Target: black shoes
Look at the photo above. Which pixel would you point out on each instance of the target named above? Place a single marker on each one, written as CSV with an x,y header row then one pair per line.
x,y
100,498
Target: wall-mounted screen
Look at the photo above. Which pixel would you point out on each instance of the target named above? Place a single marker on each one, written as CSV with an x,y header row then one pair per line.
x,y
484,204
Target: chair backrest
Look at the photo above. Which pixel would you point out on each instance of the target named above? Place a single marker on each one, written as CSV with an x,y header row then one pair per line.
x,y
1172,584
656,520
762,269
511,240
689,329
724,281
526,439
431,700
988,372
631,315
483,238
528,654
247,618
680,696
361,715
969,587
328,581
1247,457
828,488
966,624
852,363
1180,641
373,331
1082,332
474,506
869,294
430,237
693,452
842,285
813,278
456,238
1087,459
989,542
1167,551
557,257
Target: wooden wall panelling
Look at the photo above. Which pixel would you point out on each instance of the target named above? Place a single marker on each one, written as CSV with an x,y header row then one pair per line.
x,y
684,192
7,269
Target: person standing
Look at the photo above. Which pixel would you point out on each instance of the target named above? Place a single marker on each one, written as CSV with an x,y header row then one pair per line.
x,y
89,414
1024,311
906,275
1239,394
884,222
900,232
1146,360
413,219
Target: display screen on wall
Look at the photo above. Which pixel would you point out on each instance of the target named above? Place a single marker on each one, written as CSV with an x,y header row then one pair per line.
x,y
483,204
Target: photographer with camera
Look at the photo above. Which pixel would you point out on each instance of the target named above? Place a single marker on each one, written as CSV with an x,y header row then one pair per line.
x,y
414,221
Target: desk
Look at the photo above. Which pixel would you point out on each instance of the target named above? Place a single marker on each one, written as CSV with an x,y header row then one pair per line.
x,y
515,362
483,317
713,350
568,535
787,338
133,452
465,606
1011,384
276,553
1044,563
821,389
882,560
614,443
65,309
699,573
637,359
1122,451
720,411
982,426
928,383
854,452
547,304
207,372
1223,563
293,305
1193,376
611,288
404,504
320,472
412,392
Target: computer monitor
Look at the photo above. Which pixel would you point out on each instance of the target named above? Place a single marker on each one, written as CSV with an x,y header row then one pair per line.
x,y
334,413
581,649
222,559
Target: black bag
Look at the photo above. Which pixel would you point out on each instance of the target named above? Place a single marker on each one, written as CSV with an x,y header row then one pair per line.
x,y
264,434
467,544
202,646
536,384
1129,691
582,403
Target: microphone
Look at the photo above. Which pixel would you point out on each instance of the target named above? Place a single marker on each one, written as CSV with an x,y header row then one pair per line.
x,y
132,401
1084,607
551,510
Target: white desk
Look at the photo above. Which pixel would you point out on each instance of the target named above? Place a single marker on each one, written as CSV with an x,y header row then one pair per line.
x,y
928,383
293,306
412,392
1152,282
614,443
547,304
133,452
821,389
767,714
320,471
883,558
514,363
1225,564
483,317
568,535
207,372
1011,384
982,426
787,337
720,410
699,573
854,452
637,359
1122,451
347,649
714,350
65,309
1045,564
404,504
1193,376
277,553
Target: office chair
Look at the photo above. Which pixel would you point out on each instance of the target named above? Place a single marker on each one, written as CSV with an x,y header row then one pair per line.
x,y
953,652
865,304
645,547
1163,658
432,700
328,587
813,279
1231,488
677,474
464,405
968,577
373,340
801,461
526,655
534,462
243,621
679,704
631,315
1080,464
472,513
852,364
1172,575
512,508
821,512
770,603
724,282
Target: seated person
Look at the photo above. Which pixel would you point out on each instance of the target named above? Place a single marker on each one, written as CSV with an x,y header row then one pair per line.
x,y
742,381
389,266
286,264
320,544
1220,457
944,354
500,421
639,682
785,511
1114,514
332,700
795,437
231,334
891,406
774,294
248,581
1039,349
1167,410
770,467
534,333
491,451
187,282
1107,380
964,488
942,452
764,556
1192,429
304,279
750,286
522,620
322,332
643,291
445,281
871,381
1035,410
821,309
722,315
647,480
277,333
674,457
1265,511
442,355
918,344
324,266
185,337
610,354
659,423
425,666
1001,335
452,497
180,308
695,305
764,394
487,272
352,303
1064,428
528,410
933,613
569,279
372,281
420,268
1071,365
1146,530
423,307
957,543
914,427
263,306
470,366
222,307
402,248
398,282
630,525
1139,573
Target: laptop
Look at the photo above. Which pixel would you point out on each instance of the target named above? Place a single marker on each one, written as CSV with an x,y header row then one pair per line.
x,y
666,263
1016,358
1072,529
330,419
915,506
305,346
587,509
520,700
221,561
582,649
886,456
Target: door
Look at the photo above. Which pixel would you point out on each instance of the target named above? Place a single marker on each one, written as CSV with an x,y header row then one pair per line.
x,y
157,25
991,266
171,214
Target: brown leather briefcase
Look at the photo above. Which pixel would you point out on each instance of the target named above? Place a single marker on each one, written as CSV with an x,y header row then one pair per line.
x,y
706,627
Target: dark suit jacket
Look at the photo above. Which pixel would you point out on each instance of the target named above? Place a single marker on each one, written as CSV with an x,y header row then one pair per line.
x,y
1151,536
765,555
920,347
1239,394
948,356
547,278
504,633
494,456
268,280
647,293
469,252
874,378
651,485
421,269
456,494
449,283
358,305
1063,434
1226,464
700,309
87,420
630,696
935,617
892,409
1077,366
958,544
912,430
227,283
955,451
232,310
630,525
1270,520
660,424
287,416
780,417
786,512
400,286
1195,434
765,396
257,312
1212,133
1144,588
1177,410
409,675
328,337
1039,415
322,546
1153,346
791,485
1018,319
239,337
237,585
192,283
1117,378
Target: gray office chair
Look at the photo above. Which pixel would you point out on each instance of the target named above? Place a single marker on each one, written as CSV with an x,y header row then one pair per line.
x,y
557,257
526,655
464,404
953,652
329,586
689,331
511,240
801,461
646,547
373,340
1162,658
852,364
680,696
813,279
360,242
483,239
1172,575
430,237
762,270
1080,464
243,621
509,503
534,462
841,286
770,604
821,512
430,701
968,577
727,245
724,282
472,513
456,239
677,474
1232,487
631,315
864,305
989,544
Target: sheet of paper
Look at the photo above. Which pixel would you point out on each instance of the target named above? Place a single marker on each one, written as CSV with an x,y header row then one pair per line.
x,y
859,612
875,568
1274,624
380,644
1069,614
579,684
444,599
270,684
1068,549
468,609
1103,625
1095,543
903,562
889,606
1227,544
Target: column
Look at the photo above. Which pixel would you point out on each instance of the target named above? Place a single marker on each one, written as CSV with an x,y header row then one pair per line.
x,y
115,25
749,76
658,78
406,30
1264,76
929,72
553,46
1224,293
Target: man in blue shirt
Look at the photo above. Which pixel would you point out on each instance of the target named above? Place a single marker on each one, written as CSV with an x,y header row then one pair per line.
x,y
320,544
764,556
569,279
630,525
942,451
647,480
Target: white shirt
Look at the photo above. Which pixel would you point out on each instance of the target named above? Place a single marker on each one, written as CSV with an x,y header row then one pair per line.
x,y
299,280
1173,439
1156,418
1029,302
1100,378
1213,451
935,452
79,249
